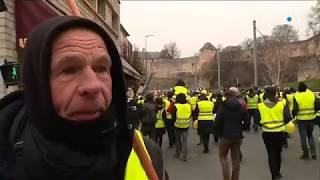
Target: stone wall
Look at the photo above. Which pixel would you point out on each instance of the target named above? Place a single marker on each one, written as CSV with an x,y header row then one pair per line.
x,y
190,69
111,23
88,8
8,41
8,34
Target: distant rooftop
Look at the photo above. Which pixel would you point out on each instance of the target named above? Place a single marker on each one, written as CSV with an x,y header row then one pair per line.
x,y
208,45
148,55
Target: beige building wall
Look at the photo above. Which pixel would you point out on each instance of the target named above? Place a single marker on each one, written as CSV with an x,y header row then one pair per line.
x,y
7,42
8,34
167,71
110,20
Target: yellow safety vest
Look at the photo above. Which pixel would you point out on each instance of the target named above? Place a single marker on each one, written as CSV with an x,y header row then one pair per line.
x,y
140,101
290,99
167,104
213,100
261,97
284,101
134,169
183,115
305,102
193,102
205,110
272,119
160,121
253,102
180,89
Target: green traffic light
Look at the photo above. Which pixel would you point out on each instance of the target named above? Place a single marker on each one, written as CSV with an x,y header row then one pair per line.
x,y
14,72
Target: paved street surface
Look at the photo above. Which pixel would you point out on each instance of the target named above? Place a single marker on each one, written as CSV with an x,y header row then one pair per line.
x,y
253,167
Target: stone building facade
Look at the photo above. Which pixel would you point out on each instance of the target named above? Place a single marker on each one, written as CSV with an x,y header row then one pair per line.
x,y
165,72
236,66
104,12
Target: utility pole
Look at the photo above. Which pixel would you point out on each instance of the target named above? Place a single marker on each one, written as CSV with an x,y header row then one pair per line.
x,y
219,78
145,53
255,69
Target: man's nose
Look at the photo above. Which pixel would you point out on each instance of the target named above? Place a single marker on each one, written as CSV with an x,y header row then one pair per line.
x,y
89,84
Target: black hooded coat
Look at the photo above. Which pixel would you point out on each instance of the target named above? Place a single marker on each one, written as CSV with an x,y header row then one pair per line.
x,y
37,144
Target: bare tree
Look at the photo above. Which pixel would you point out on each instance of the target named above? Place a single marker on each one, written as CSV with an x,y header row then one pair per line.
x,y
276,53
314,20
247,43
284,33
170,51
138,64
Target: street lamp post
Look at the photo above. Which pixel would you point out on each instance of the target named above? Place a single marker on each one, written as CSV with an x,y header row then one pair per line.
x,y
219,77
255,69
145,53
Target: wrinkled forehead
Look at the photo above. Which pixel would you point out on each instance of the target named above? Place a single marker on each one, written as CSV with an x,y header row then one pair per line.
x,y
71,36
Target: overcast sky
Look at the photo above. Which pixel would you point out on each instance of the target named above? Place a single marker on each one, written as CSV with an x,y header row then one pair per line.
x,y
192,23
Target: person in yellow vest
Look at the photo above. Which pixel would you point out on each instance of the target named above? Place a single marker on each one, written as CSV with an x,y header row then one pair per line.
x,y
290,96
285,100
261,94
180,88
161,118
169,122
70,120
193,100
304,109
182,117
213,97
204,114
140,99
252,100
273,117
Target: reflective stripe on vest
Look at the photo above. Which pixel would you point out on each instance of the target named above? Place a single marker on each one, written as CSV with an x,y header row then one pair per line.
x,y
305,101
183,115
318,113
160,121
272,119
253,102
205,110
134,168
180,89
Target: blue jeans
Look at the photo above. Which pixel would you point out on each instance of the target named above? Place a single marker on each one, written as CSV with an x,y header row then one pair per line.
x,y
305,130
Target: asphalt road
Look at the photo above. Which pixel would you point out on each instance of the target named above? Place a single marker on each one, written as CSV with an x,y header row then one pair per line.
x,y
253,167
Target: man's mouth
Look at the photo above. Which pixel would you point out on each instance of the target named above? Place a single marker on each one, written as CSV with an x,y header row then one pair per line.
x,y
85,116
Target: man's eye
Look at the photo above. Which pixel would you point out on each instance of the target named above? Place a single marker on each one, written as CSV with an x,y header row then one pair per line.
x,y
100,69
69,70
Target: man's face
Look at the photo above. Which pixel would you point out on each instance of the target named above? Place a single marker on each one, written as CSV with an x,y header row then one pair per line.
x,y
80,80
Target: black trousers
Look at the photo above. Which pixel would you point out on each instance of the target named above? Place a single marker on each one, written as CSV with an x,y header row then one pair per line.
x,y
205,129
273,142
149,131
171,134
159,135
253,113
